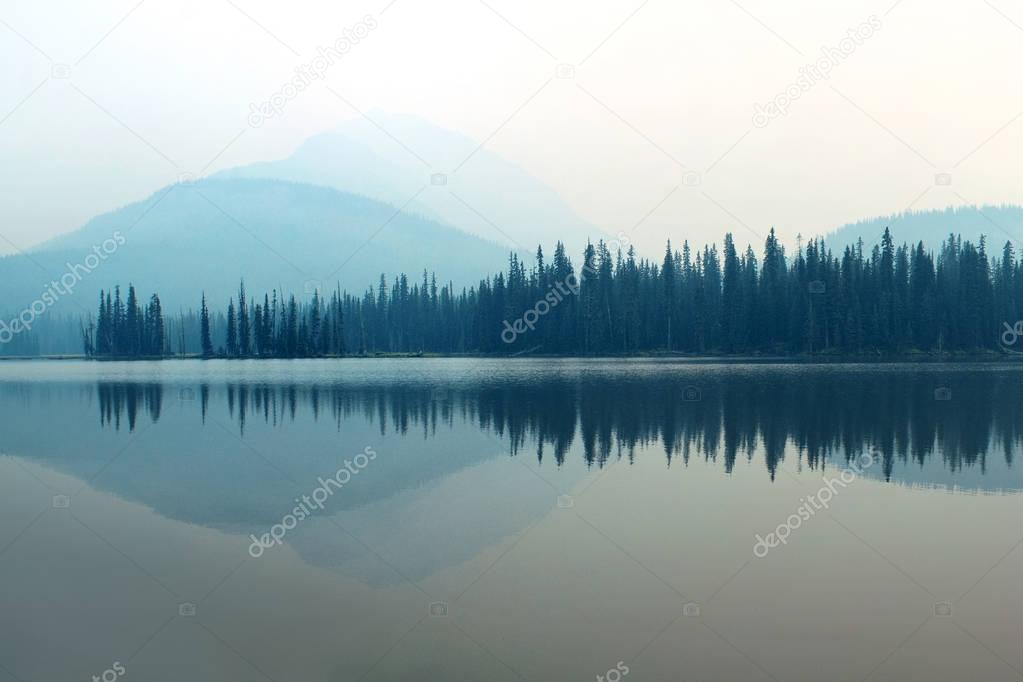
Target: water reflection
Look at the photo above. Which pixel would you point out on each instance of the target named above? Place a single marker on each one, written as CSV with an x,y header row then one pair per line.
x,y
124,400
963,418
671,470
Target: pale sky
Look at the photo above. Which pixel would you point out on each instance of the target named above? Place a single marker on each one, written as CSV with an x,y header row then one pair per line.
x,y
657,89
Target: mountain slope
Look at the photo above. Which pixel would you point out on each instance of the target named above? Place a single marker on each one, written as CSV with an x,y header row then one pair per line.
x,y
998,223
394,157
207,235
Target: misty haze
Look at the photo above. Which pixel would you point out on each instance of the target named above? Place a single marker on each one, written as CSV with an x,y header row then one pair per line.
x,y
481,340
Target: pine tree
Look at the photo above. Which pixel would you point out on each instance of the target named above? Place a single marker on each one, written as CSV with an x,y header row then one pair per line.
x,y
257,326
204,323
668,277
290,330
155,334
244,328
132,333
269,318
103,341
119,344
732,332
232,330
312,344
887,299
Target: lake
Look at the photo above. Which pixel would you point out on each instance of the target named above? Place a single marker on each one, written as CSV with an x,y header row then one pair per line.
x,y
524,519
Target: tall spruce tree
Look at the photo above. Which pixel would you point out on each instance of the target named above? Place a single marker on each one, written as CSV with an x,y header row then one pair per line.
x,y
244,328
206,343
232,330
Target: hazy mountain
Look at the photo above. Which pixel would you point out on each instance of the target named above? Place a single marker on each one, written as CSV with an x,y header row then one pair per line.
x,y
998,223
207,235
395,157
243,493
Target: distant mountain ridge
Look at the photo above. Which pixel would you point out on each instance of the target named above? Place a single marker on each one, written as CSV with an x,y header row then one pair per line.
x,y
390,195
397,194
207,235
997,223
406,161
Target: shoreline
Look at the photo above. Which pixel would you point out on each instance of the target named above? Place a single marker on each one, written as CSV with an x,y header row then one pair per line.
x,y
863,358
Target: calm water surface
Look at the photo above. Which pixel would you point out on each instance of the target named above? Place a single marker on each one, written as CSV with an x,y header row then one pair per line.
x,y
506,520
